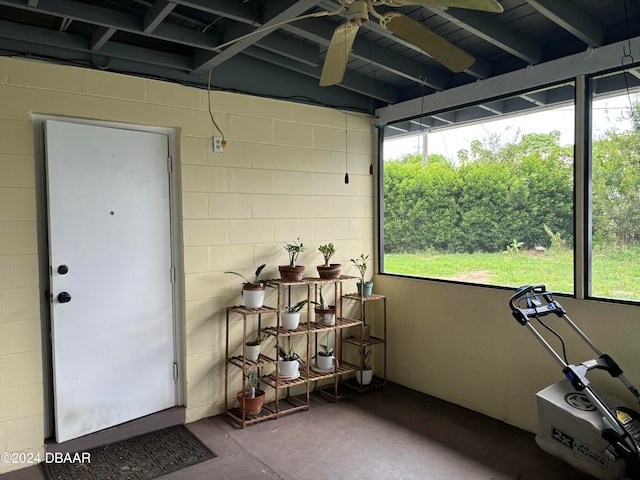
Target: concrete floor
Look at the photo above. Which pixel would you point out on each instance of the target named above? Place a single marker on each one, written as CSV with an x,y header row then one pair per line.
x,y
392,434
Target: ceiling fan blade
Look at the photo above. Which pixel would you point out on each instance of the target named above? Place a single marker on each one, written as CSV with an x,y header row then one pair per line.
x,y
445,52
267,28
338,54
484,5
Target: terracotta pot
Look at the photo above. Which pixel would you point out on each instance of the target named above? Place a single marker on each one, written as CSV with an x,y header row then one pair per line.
x,y
326,316
253,295
332,271
250,406
291,274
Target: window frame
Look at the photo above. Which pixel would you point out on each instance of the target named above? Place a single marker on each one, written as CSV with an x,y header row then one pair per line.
x,y
582,187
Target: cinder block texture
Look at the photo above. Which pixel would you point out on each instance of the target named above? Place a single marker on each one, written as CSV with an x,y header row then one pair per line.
x,y
279,178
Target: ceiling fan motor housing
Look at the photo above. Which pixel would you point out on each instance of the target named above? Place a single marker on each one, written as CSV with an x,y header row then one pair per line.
x,y
358,12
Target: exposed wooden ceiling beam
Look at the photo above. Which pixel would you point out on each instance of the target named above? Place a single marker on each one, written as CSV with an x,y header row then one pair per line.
x,y
573,19
36,36
101,36
294,10
537,76
156,14
352,81
230,9
485,26
105,17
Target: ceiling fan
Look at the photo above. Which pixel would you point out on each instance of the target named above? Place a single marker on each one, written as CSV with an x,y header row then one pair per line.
x,y
437,47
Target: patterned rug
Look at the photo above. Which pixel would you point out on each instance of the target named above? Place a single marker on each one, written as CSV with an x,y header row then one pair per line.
x,y
140,458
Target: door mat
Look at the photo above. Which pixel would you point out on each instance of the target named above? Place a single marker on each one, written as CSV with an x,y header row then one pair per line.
x,y
140,458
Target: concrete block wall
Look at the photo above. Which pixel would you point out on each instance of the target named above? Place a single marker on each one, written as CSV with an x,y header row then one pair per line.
x,y
279,179
461,343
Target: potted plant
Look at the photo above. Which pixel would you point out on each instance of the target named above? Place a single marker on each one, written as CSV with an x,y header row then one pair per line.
x,y
253,291
325,313
365,375
251,399
361,265
325,359
328,270
253,348
292,272
289,364
290,317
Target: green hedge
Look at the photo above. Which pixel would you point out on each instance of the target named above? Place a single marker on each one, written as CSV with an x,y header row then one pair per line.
x,y
482,202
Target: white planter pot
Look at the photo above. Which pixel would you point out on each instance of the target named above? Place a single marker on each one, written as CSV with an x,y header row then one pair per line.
x,y
253,297
325,363
253,352
363,377
288,368
290,320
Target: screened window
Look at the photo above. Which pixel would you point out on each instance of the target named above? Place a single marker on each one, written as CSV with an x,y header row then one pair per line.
x,y
615,181
484,194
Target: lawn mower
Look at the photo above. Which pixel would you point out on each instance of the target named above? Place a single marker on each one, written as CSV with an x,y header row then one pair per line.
x,y
594,432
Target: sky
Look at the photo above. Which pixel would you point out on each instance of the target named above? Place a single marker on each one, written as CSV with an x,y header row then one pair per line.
x,y
606,113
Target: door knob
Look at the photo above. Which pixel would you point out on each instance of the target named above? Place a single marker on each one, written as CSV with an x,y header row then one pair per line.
x,y
63,269
64,297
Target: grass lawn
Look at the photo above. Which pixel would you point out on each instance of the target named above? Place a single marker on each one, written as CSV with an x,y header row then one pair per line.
x,y
616,273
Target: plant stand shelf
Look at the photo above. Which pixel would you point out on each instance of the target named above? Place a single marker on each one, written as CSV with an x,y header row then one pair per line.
x,y
288,404
236,415
262,361
241,361
241,309
266,321
365,341
284,383
349,386
269,411
337,392
368,298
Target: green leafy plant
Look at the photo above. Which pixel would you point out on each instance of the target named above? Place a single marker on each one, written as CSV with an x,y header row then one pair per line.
x,y
557,242
294,249
323,303
361,264
258,340
514,247
366,358
289,356
327,251
253,380
327,351
256,280
298,306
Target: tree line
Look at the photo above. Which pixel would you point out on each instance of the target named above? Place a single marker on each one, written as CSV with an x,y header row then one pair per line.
x,y
521,191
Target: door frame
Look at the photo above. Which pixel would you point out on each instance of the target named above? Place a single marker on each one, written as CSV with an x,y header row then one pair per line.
x,y
44,263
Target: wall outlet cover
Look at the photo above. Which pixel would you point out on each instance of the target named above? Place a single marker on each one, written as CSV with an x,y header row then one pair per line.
x,y
217,144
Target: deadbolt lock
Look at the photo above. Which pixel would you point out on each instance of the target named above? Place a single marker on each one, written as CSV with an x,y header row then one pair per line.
x,y
64,297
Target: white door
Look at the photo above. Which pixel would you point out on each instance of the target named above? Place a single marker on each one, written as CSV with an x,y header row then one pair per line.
x,y
111,289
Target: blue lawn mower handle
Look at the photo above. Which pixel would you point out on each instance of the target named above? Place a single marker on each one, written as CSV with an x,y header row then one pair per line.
x,y
534,306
